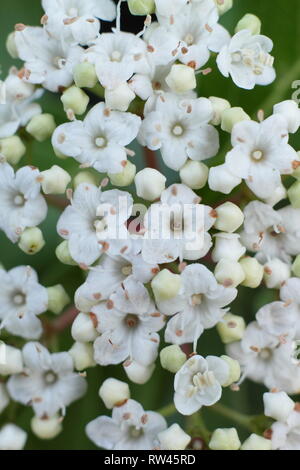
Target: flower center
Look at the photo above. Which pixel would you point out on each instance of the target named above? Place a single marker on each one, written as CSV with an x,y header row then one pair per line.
x,y
19,299
257,155
177,130
131,321
197,299
116,56
189,39
236,57
204,380
59,62
135,432
101,142
100,224
50,377
19,200
127,270
265,353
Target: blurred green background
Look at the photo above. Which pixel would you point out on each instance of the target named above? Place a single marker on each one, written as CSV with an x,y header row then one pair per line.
x,y
281,22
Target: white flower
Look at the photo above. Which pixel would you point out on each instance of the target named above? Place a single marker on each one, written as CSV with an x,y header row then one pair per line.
x,y
169,8
12,437
289,109
99,140
128,323
199,383
95,223
48,61
198,306
285,436
180,129
266,359
278,319
130,428
272,234
21,204
77,20
117,56
290,294
22,299
49,383
246,58
177,227
261,153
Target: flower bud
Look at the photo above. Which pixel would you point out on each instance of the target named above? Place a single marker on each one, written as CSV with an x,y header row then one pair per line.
x,y
296,266
289,109
219,106
229,273
119,98
250,22
234,370
41,127
173,438
11,361
256,442
221,180
231,328
113,392
165,285
181,78
75,99
125,178
60,155
194,174
278,405
31,241
229,217
227,246
141,7
83,328
46,428
138,373
172,358
224,439
12,437
4,398
277,195
82,355
57,298
55,180
13,149
232,116
11,46
63,254
149,184
223,5
275,273
85,75
253,270
294,195
85,177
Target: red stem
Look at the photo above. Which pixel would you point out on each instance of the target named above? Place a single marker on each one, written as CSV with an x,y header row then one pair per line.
x,y
62,322
150,158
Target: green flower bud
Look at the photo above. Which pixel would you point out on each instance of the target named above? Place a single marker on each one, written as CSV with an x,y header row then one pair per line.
x,y
229,273
82,355
85,75
296,266
231,328
172,358
232,116
119,98
13,149
63,254
223,5
250,22
57,298
256,442
55,180
229,217
219,106
46,428
224,439
166,285
74,99
194,174
141,7
41,127
125,178
85,177
11,46
31,241
181,78
294,194
253,270
234,370
174,438
113,392
149,183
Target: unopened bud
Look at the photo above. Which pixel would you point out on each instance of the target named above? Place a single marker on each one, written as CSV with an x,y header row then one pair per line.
x,y
253,270
11,361
234,370
250,22
289,109
277,195
63,254
149,184
165,285
113,392
82,355
229,217
173,438
46,428
55,180
13,149
224,439
275,273
296,266
230,117
172,358
137,372
141,7
256,442
41,127
229,273
74,99
278,405
231,328
31,241
11,46
85,177
83,328
181,78
194,174
219,106
12,437
221,180
126,177
57,298
227,246
294,194
85,75
119,99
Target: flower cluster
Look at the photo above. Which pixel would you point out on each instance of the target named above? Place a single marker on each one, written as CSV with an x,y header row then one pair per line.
x,y
155,263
